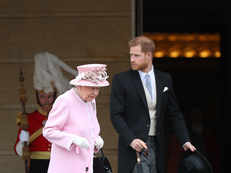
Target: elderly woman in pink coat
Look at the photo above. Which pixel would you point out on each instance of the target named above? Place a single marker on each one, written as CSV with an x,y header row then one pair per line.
x,y
72,126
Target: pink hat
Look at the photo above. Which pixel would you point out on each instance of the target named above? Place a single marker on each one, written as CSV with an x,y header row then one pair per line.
x,y
93,75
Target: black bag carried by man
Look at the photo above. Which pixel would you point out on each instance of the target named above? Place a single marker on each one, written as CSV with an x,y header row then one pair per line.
x,y
101,164
194,162
145,162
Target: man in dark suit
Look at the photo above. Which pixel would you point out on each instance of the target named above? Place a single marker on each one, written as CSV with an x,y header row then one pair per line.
x,y
142,103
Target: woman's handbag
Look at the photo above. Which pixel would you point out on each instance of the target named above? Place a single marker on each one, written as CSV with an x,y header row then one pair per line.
x,y
101,164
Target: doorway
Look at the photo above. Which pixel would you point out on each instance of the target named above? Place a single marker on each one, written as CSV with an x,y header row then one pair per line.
x,y
199,83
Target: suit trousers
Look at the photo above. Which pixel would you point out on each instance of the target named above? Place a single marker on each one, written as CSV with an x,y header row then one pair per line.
x,y
39,165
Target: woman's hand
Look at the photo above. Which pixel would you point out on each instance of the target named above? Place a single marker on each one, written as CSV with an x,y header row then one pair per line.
x,y
98,143
81,142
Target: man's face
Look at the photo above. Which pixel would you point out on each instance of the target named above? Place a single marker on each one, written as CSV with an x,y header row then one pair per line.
x,y
46,100
138,59
88,93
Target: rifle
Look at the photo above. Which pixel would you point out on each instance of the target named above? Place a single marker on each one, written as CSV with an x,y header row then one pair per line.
x,y
23,119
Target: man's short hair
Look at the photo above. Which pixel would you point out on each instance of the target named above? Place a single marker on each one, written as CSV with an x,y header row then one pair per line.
x,y
147,45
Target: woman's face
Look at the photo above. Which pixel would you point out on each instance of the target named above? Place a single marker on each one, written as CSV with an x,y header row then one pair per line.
x,y
88,93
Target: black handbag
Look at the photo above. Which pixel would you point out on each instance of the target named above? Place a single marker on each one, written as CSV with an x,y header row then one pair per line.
x,y
101,164
144,162
194,162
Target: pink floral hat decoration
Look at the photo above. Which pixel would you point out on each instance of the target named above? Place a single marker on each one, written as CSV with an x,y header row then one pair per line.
x,y
93,75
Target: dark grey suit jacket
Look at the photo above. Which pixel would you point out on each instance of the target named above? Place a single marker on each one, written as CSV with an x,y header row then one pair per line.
x,y
130,116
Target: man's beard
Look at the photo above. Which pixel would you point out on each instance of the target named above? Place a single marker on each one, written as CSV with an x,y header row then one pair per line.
x,y
138,67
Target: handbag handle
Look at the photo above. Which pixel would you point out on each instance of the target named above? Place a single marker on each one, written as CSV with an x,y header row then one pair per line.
x,y
144,151
138,157
101,153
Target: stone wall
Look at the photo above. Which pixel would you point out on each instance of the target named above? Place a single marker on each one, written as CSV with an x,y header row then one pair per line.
x,y
78,32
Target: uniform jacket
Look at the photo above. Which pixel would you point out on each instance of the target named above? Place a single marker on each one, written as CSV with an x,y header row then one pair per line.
x,y
130,116
40,146
71,116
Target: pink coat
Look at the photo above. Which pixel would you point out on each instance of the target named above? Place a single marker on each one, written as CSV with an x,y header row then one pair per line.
x,y
71,116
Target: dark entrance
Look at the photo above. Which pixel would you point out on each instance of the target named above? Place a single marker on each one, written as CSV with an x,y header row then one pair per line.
x,y
199,83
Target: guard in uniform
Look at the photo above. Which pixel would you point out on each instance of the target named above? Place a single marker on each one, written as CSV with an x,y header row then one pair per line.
x,y
49,82
39,147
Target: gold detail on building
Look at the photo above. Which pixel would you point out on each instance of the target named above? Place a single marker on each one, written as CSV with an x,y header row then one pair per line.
x,y
186,45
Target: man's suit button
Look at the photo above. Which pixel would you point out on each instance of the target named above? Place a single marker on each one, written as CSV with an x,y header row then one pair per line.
x,y
147,125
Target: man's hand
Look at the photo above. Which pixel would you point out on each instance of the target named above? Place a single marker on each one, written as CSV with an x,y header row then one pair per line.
x,y
138,145
189,146
24,136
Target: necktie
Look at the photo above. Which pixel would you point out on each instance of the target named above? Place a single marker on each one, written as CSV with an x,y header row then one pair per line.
x,y
148,84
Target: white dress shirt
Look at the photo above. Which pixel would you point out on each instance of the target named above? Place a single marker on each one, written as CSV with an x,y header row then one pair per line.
x,y
151,101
